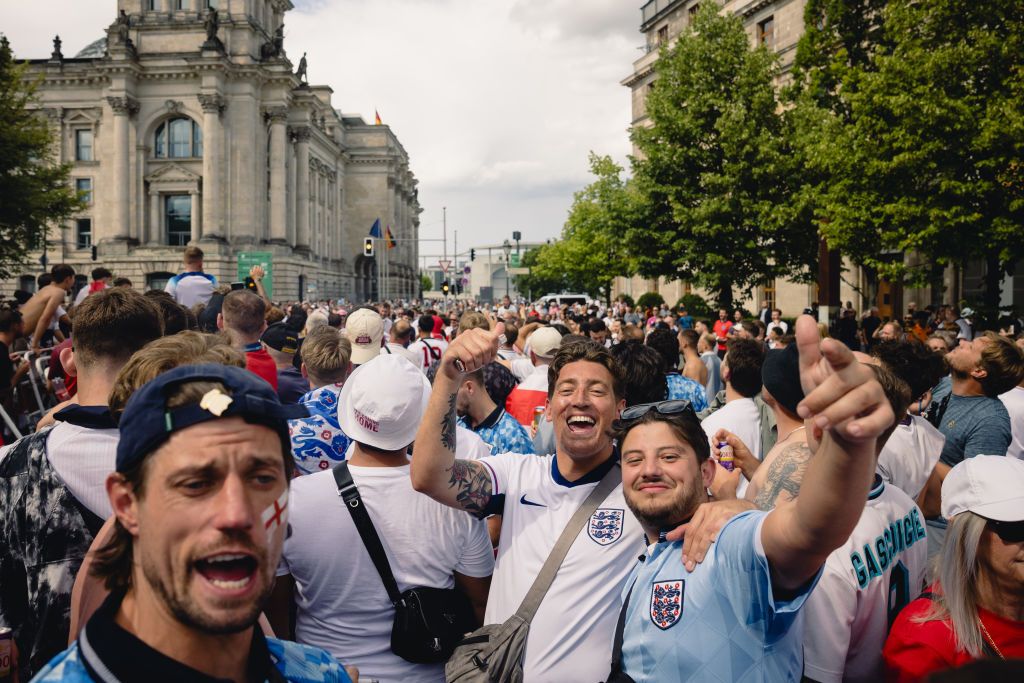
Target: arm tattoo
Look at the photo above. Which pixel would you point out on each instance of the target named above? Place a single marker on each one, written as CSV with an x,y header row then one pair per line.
x,y
472,484
448,426
785,475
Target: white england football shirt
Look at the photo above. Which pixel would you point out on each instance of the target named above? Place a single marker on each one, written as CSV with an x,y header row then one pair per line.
x,y
866,582
1014,402
427,351
910,454
571,636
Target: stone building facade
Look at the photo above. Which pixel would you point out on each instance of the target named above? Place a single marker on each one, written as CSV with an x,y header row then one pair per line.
x,y
188,124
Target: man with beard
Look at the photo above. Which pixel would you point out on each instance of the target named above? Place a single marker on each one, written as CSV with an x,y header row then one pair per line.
x,y
201,497
733,616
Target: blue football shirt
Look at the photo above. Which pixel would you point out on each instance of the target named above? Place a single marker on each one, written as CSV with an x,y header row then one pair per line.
x,y
720,622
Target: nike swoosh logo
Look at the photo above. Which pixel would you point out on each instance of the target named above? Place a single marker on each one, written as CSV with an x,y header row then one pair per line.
x,y
530,502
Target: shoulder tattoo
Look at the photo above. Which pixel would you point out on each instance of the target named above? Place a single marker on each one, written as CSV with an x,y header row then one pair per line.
x,y
472,485
785,475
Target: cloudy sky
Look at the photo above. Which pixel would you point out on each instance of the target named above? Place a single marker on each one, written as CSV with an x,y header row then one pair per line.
x,y
497,102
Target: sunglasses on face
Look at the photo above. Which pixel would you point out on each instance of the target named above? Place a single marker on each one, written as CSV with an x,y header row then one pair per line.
x,y
1008,532
671,407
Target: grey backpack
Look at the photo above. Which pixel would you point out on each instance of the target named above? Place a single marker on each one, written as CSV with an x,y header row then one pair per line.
x,y
494,653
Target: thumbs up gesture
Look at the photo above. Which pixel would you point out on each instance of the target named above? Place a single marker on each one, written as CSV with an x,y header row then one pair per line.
x,y
471,350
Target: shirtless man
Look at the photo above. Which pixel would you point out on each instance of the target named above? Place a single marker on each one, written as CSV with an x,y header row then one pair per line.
x,y
39,311
693,366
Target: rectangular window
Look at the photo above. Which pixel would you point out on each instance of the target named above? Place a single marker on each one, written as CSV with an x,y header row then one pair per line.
x,y
178,4
212,4
766,32
178,217
692,13
769,294
663,35
84,187
83,233
150,5
83,144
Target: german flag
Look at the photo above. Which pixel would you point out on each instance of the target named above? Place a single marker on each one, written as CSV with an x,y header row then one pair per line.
x,y
389,239
376,118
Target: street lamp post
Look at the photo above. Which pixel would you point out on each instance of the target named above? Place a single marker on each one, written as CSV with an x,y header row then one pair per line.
x,y
506,247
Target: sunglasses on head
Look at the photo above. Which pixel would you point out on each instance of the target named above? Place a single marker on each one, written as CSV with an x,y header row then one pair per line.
x,y
670,407
1008,532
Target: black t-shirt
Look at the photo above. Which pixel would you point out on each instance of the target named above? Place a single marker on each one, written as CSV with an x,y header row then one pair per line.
x,y
869,325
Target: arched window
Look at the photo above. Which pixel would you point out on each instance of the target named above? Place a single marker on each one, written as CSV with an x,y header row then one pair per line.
x,y
179,138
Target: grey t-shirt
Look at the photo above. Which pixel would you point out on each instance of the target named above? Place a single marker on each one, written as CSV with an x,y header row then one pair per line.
x,y
974,425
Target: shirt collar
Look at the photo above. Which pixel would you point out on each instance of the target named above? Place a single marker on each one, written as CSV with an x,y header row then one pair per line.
x,y
109,652
252,348
877,486
591,477
491,419
89,417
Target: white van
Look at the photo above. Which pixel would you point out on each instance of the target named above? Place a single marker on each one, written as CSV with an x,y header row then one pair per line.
x,y
559,299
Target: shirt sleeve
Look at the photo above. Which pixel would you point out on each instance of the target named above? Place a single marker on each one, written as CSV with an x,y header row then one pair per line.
x,y
827,626
992,436
748,582
912,652
504,472
477,559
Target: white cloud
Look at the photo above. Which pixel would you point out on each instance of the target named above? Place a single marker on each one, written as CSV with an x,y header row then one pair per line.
x,y
497,102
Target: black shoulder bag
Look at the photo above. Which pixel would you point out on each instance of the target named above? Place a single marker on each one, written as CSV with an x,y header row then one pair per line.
x,y
429,622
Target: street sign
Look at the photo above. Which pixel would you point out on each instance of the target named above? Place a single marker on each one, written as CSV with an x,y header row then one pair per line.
x,y
513,260
445,264
248,259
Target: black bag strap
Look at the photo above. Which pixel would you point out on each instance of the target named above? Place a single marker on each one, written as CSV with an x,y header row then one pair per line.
x,y
620,628
364,525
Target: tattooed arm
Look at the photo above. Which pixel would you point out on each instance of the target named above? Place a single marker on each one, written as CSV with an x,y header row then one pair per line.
x,y
784,476
462,484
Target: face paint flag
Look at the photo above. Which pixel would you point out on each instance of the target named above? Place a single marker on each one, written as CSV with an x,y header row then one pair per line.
x,y
274,516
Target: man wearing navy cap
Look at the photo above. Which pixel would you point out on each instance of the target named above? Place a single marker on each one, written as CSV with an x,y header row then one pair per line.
x,y
201,500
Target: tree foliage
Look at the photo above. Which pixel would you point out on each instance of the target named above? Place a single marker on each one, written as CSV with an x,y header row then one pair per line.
x,y
922,150
723,208
35,194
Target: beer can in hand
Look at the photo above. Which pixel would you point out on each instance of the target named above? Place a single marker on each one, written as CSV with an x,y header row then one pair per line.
x,y
6,653
538,417
725,456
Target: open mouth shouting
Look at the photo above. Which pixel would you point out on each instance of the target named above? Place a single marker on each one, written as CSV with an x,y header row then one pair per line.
x,y
229,573
581,424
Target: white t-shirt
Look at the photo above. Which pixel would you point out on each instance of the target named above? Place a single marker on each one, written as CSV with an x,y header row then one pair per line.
x,y
866,582
782,323
342,605
392,349
189,289
522,368
742,418
571,635
1014,402
469,445
83,458
910,454
427,350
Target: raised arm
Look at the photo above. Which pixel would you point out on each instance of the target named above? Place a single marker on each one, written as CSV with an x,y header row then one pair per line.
x,y
462,484
45,318
847,409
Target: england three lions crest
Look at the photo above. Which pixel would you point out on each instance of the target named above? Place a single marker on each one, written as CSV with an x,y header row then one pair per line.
x,y
667,603
605,525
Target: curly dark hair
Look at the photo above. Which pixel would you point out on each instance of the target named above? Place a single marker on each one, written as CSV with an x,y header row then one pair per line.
x,y
644,371
592,352
913,362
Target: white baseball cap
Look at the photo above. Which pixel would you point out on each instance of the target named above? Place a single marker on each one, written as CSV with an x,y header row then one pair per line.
x,y
545,342
365,329
991,486
383,401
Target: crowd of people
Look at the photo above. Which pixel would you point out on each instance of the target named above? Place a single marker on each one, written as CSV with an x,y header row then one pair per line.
x,y
222,486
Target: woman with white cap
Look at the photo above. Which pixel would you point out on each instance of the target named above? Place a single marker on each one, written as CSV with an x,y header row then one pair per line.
x,y
975,608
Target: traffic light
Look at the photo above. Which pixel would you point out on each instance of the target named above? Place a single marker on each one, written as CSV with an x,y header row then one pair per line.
x,y
368,246
445,287
472,254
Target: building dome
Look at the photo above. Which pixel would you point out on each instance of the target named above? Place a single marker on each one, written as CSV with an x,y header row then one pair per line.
x,y
94,50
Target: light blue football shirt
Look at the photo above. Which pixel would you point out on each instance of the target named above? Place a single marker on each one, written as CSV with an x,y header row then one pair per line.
x,y
720,622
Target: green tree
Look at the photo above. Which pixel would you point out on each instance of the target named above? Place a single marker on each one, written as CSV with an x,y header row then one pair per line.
x,y
591,252
927,156
426,284
539,282
35,194
715,168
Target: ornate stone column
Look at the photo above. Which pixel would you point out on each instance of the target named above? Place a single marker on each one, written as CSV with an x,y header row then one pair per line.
x,y
278,210
124,108
301,136
213,133
196,225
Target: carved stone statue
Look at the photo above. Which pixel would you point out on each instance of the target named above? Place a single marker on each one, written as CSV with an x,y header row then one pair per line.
x,y
56,54
301,73
123,24
211,24
274,47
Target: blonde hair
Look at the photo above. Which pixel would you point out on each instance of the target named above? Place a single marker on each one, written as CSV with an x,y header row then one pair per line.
x,y
956,568
159,356
326,353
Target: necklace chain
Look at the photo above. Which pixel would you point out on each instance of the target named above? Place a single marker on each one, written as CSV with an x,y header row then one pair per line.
x,y
989,638
795,430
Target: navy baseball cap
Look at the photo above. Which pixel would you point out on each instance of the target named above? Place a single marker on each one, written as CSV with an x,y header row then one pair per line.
x,y
147,422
